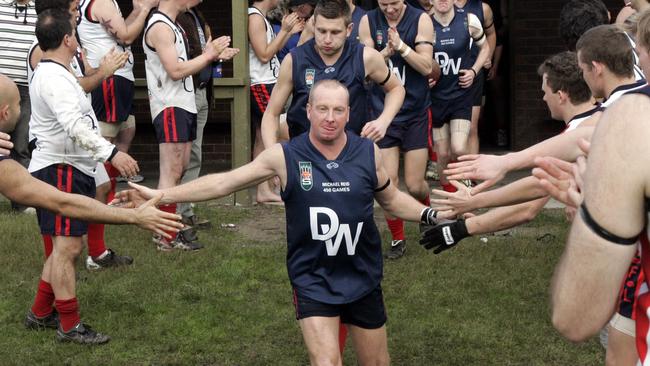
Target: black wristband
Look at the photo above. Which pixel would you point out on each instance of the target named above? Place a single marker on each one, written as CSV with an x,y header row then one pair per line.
x,y
472,69
428,216
113,153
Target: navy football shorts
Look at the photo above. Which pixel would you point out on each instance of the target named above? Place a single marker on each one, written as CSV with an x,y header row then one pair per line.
x,y
368,312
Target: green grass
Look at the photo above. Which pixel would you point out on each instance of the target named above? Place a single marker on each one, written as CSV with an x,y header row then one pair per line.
x,y
230,304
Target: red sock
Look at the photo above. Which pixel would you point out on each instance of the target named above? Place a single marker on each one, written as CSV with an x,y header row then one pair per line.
x,y
396,227
44,298
96,244
68,313
48,245
343,335
171,208
112,174
426,201
449,188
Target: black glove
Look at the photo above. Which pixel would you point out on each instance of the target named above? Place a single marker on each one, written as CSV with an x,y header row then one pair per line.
x,y
444,236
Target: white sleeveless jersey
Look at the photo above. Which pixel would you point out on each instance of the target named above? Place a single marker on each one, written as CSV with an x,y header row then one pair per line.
x,y
163,91
619,91
578,119
97,42
63,122
263,73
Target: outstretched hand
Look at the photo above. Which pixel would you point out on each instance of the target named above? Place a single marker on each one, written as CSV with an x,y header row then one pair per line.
x,y
488,168
150,218
456,203
136,197
5,144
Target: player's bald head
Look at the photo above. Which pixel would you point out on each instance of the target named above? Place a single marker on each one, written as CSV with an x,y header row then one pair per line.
x,y
9,104
332,86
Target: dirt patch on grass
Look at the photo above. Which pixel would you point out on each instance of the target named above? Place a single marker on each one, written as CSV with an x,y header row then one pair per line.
x,y
268,224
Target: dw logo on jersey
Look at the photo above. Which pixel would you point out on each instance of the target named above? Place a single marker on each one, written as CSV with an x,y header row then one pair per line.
x,y
306,177
448,64
331,229
379,36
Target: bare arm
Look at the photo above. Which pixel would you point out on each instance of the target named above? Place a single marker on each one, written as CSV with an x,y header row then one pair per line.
x,y
492,168
391,199
279,96
268,164
291,24
490,32
161,37
377,71
19,186
421,58
125,31
461,201
466,76
588,277
307,32
506,217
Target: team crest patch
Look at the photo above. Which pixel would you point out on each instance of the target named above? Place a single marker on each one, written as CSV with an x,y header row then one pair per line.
x,y
310,75
306,177
379,36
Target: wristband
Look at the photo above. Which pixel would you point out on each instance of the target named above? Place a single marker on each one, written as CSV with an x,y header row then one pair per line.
x,y
428,216
399,46
113,153
472,69
406,53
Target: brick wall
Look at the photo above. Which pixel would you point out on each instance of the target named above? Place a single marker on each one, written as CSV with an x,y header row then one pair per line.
x,y
534,37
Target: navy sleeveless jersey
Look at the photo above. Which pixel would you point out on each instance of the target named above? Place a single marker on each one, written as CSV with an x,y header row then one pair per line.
x,y
357,14
334,247
474,7
308,68
452,53
417,89
644,90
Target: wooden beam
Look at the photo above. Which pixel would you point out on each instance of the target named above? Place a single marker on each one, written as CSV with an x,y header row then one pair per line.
x,y
240,107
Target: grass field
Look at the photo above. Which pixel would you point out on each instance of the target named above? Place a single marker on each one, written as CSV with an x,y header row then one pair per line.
x,y
230,304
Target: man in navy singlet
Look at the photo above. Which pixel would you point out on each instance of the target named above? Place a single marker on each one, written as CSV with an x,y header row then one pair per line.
x,y
483,12
451,96
356,12
331,55
404,36
330,178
